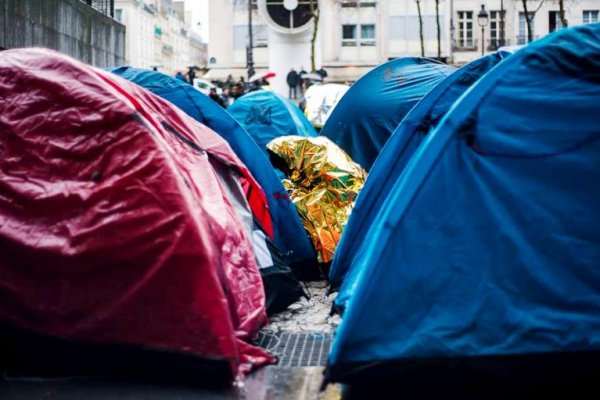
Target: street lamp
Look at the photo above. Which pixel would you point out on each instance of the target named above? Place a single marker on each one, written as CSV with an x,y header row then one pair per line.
x,y
502,41
249,55
482,20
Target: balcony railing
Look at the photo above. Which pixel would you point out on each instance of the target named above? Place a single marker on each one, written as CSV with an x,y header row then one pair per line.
x,y
495,44
522,39
466,45
106,7
358,3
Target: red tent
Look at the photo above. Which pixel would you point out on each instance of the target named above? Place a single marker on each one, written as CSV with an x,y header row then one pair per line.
x,y
115,225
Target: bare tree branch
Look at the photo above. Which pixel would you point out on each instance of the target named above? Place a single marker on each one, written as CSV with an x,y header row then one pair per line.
x,y
561,13
529,16
538,7
527,21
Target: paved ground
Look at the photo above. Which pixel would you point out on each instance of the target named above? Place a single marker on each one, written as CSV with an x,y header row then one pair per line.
x,y
299,336
271,383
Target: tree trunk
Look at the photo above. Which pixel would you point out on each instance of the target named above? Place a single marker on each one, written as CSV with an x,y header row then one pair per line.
x,y
439,30
249,51
421,28
561,13
528,22
315,14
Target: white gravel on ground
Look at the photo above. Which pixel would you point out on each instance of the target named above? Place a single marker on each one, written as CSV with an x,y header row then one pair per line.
x,y
307,316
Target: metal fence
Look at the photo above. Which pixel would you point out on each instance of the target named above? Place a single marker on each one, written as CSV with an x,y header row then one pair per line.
x,y
106,7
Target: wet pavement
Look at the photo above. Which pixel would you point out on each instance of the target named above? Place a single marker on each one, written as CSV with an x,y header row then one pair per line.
x,y
300,337
271,383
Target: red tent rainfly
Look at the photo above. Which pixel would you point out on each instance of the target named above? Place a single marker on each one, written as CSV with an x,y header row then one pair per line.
x,y
115,226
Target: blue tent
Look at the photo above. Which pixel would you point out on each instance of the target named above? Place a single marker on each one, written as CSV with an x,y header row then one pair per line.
x,y
290,237
370,111
488,245
267,115
407,137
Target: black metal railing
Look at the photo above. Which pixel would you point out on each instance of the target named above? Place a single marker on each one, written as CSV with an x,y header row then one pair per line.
x,y
466,45
523,39
106,7
495,44
358,3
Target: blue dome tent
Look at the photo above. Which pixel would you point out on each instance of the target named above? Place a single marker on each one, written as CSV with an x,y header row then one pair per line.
x,y
407,137
267,115
290,238
486,254
370,111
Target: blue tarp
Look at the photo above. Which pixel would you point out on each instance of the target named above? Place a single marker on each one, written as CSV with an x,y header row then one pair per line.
x,y
489,242
267,115
290,237
370,111
407,137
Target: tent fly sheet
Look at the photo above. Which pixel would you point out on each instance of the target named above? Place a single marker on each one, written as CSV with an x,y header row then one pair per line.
x,y
487,246
267,116
117,226
388,167
291,246
370,111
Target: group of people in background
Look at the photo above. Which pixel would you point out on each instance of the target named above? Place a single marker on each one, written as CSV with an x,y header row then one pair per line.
x,y
187,77
230,90
226,92
229,93
297,81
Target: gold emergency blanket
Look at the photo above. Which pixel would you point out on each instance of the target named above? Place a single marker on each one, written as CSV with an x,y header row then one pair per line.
x,y
323,185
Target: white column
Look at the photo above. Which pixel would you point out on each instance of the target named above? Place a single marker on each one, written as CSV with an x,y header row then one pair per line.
x,y
287,51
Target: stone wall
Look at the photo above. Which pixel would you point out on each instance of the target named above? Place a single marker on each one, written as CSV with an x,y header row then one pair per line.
x,y
69,26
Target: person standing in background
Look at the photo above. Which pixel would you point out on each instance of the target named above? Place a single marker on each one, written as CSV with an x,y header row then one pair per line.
x,y
229,82
216,98
293,79
191,74
180,76
237,91
302,81
321,71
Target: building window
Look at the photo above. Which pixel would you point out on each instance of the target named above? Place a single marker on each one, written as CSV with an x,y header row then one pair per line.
x,y
348,35
243,5
590,16
522,39
119,15
259,36
494,30
367,35
465,30
554,22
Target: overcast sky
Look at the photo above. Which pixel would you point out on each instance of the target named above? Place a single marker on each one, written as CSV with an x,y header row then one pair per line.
x,y
199,14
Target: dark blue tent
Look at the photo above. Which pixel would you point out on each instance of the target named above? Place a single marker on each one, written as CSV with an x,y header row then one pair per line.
x,y
370,111
407,137
485,256
290,237
267,115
